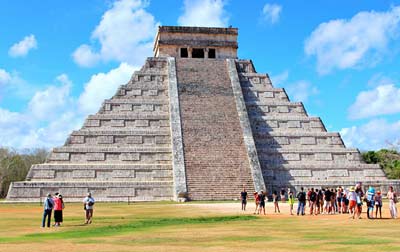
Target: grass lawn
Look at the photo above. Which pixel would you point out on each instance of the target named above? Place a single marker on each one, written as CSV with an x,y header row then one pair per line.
x,y
192,227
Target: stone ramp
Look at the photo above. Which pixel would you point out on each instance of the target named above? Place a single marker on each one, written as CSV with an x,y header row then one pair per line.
x,y
294,149
216,161
124,150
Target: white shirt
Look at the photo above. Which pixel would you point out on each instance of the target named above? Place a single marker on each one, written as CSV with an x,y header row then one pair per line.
x,y
352,196
87,200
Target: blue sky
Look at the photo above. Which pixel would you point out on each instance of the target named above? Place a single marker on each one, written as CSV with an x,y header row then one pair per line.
x,y
60,59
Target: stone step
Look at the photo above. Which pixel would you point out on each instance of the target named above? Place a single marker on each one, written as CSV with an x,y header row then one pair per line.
x,y
285,122
296,138
101,191
146,107
130,116
264,94
101,172
119,132
275,108
98,149
245,66
132,120
322,165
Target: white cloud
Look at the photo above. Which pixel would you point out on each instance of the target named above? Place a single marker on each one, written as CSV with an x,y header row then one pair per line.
x,y
301,90
383,100
271,12
102,86
374,135
378,80
22,48
208,13
47,104
125,34
279,79
362,40
5,77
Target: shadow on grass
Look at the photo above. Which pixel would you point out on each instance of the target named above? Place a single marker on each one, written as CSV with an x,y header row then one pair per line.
x,y
109,230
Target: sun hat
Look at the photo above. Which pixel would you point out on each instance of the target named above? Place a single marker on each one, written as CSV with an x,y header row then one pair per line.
x,y
351,189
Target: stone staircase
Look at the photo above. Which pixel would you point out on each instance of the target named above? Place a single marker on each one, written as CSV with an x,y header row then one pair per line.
x,y
123,151
294,149
216,161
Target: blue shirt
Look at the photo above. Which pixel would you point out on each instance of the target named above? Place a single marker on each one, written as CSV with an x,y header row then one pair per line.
x,y
48,204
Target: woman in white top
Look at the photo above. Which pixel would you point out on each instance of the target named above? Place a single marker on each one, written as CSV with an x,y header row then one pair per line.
x,y
88,204
392,202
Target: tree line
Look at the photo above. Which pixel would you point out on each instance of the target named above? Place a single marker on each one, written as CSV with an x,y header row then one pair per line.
x,y
14,166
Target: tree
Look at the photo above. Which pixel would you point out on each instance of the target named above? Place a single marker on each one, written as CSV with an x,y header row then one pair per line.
x,y
388,159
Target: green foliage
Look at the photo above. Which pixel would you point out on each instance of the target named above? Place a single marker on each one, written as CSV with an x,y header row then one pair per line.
x,y
15,166
388,159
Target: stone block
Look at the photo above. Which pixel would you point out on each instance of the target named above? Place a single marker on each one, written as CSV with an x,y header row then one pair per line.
x,y
300,173
280,140
339,157
95,156
373,173
323,156
63,175
141,123
135,92
92,123
163,157
83,174
337,173
107,107
283,109
117,123
121,192
266,94
307,140
129,156
291,156
134,140
152,92
147,107
319,175
123,174
47,174
125,107
57,156
293,124
105,139
77,139
255,80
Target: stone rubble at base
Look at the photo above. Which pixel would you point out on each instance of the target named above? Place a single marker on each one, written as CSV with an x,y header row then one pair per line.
x,y
196,122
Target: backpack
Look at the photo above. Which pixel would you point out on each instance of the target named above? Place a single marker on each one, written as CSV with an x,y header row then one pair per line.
x,y
301,196
313,196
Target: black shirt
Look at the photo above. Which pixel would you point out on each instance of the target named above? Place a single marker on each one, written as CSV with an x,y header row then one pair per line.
x,y
243,195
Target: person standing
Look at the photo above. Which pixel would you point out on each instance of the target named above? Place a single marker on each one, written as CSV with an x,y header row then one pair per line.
x,y
291,202
261,208
48,207
275,201
243,196
370,202
313,200
378,204
352,197
88,204
58,210
391,195
359,197
256,201
301,196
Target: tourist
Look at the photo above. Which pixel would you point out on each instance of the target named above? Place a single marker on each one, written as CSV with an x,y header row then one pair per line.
x,y
261,207
317,202
321,200
243,196
275,201
352,197
327,201
283,195
291,202
378,204
257,201
301,196
345,201
359,195
308,196
333,209
391,195
48,207
339,198
370,202
88,204
313,199
58,210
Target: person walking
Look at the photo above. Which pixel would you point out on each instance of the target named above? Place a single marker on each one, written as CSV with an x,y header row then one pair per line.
x,y
58,210
48,208
88,204
243,196
301,196
391,195
275,201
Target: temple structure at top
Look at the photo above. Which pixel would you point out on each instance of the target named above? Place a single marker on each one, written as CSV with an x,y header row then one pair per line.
x,y
195,122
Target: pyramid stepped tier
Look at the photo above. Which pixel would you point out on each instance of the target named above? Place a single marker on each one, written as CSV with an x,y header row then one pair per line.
x,y
295,149
127,144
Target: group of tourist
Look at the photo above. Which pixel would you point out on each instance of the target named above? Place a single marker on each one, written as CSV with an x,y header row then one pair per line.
x,y
56,203
328,201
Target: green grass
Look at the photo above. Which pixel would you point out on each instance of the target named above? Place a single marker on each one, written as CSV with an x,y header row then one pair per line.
x,y
163,226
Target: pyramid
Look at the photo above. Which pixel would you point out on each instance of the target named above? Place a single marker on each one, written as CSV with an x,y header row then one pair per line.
x,y
196,122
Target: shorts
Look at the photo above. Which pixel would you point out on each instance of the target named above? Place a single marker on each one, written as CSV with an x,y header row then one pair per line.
x,y
262,204
244,201
327,204
352,203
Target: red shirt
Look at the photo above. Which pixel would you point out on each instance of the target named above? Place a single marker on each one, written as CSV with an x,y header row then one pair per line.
x,y
57,204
